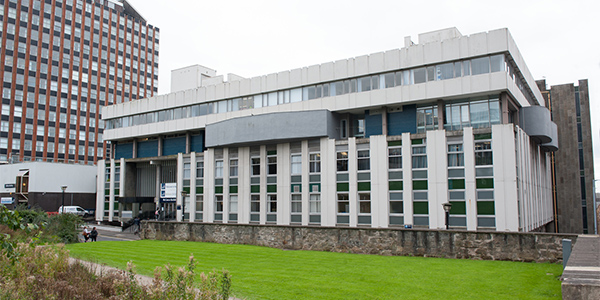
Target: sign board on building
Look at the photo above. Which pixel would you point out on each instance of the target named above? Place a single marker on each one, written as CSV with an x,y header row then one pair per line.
x,y
168,192
6,200
9,185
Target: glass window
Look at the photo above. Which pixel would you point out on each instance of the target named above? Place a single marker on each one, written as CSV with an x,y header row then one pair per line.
x,y
390,80
419,157
343,202
315,163
419,75
315,203
255,166
219,203
272,203
296,164
497,63
233,204
480,114
395,158
480,65
199,169
364,203
342,161
363,160
254,203
219,169
233,167
483,153
272,165
445,71
455,155
296,204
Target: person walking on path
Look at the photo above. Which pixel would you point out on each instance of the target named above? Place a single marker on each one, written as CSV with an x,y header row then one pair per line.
x,y
136,225
94,234
86,234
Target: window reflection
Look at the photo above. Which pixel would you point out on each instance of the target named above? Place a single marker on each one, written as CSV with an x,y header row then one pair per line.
x,y
477,116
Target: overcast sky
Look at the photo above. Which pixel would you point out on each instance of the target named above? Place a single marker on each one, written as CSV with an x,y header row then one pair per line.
x,y
559,40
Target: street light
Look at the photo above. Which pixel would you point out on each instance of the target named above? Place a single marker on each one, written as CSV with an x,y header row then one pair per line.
x,y
183,195
63,188
447,206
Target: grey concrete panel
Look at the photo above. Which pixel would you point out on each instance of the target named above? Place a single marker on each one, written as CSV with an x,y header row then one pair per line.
x,y
535,120
552,146
275,127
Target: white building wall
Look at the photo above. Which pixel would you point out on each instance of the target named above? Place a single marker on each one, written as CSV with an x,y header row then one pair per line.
x,y
470,184
505,177
407,195
437,177
379,182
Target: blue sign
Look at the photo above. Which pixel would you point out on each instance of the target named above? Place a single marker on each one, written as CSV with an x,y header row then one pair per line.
x,y
7,200
168,200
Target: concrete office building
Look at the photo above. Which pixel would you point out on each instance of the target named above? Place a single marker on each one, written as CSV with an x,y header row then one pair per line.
x,y
63,61
40,184
573,163
381,140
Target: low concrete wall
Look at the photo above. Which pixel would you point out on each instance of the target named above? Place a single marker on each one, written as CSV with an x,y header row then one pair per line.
x,y
513,246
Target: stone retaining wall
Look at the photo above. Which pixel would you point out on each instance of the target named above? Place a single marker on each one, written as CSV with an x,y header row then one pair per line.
x,y
513,246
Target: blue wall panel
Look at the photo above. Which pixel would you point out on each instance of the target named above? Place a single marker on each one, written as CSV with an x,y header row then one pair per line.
x,y
124,150
147,148
173,145
373,125
197,142
403,121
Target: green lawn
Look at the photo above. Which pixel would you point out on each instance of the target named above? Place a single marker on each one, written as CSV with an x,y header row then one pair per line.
x,y
266,273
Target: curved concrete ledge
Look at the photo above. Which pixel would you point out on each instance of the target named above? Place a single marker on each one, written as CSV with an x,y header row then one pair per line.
x,y
535,121
552,145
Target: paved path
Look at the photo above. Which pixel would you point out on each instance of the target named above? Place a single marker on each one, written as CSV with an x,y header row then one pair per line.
x,y
581,277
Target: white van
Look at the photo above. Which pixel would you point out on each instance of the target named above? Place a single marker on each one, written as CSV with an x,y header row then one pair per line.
x,y
78,210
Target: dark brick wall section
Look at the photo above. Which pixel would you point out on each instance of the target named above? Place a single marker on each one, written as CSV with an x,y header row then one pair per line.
x,y
512,246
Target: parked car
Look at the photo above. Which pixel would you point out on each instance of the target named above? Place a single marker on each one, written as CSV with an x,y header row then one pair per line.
x,y
78,210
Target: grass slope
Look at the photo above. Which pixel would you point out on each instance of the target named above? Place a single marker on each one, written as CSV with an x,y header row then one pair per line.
x,y
266,273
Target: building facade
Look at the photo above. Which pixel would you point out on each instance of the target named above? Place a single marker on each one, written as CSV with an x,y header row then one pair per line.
x,y
381,140
38,184
573,166
63,61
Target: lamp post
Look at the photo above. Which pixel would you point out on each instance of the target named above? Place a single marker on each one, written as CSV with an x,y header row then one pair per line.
x,y
63,188
184,194
447,206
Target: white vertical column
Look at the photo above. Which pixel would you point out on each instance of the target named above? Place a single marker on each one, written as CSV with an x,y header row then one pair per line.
x,y
111,195
505,178
437,176
100,189
283,184
407,195
179,197
122,179
244,185
192,194
379,181
263,184
225,185
353,189
470,196
305,184
328,182
209,185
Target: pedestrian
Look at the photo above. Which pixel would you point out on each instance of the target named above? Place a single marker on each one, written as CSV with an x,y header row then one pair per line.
x,y
86,234
156,213
136,225
94,234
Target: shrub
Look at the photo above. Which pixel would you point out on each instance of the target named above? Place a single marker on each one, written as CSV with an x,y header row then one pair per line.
x,y
44,272
65,227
